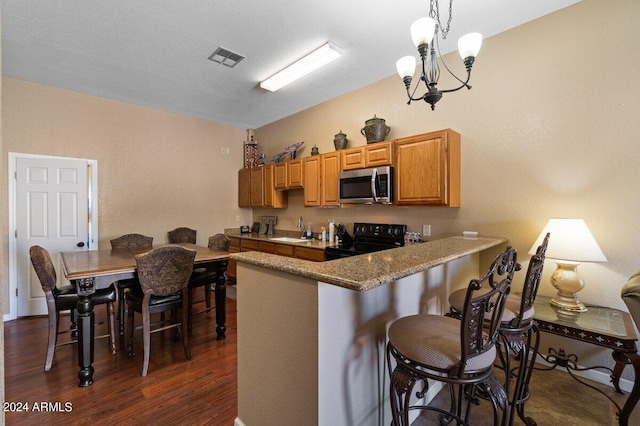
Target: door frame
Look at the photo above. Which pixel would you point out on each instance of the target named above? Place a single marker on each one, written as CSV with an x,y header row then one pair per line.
x,y
13,219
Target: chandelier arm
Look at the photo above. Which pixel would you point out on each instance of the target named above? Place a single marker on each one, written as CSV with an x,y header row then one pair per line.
x,y
464,83
422,78
410,95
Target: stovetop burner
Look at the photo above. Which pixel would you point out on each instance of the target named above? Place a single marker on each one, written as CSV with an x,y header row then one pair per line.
x,y
367,238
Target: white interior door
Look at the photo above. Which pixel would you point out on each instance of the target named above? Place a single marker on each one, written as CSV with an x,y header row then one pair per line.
x,y
52,210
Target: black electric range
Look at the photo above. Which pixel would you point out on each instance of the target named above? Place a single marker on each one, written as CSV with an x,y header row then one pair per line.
x,y
367,238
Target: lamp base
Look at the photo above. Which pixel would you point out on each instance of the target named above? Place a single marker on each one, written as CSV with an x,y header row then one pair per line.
x,y
568,303
568,282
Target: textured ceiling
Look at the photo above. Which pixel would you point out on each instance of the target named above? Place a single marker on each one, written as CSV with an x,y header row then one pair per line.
x,y
154,52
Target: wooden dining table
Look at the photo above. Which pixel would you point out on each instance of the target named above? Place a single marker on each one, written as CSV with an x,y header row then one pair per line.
x,y
97,269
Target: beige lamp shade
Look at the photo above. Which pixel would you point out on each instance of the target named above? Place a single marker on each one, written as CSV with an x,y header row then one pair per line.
x,y
570,240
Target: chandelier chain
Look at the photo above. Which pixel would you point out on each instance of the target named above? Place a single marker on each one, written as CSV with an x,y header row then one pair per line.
x,y
434,13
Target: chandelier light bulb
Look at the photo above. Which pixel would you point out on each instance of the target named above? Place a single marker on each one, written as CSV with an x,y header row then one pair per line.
x,y
469,45
406,66
422,31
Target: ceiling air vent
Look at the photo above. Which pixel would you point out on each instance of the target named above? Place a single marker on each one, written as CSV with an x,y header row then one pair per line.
x,y
226,57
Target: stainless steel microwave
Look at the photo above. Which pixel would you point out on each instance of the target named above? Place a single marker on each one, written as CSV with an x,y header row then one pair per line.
x,y
366,186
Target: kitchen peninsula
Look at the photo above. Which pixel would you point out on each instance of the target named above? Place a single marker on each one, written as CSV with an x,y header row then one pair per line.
x,y
312,335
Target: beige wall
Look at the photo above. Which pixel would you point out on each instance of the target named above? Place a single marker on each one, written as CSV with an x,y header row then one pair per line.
x,y
550,128
156,170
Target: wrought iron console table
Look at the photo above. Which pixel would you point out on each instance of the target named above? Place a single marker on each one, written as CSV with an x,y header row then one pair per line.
x,y
607,327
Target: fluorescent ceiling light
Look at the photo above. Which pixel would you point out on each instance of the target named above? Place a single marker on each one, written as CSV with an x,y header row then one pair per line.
x,y
303,66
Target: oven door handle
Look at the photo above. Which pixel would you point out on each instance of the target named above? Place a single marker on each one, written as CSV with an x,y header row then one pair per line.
x,y
374,175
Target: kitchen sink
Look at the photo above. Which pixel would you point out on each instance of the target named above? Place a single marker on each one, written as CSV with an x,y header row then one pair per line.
x,y
288,240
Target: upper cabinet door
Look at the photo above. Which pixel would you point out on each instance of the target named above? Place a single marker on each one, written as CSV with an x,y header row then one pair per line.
x,y
272,197
427,169
295,174
257,187
378,154
280,175
353,158
372,155
244,188
312,181
329,171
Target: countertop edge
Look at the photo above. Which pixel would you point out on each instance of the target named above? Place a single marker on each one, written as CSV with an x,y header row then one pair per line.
x,y
368,271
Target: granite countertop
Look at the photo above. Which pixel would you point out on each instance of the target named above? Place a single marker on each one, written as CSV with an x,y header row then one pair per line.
x,y
372,270
315,244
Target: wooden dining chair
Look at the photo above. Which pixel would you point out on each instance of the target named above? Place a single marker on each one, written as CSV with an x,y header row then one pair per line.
x,y
204,277
182,235
124,242
164,275
425,348
66,298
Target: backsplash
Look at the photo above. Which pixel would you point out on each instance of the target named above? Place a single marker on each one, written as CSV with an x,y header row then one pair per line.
x,y
442,219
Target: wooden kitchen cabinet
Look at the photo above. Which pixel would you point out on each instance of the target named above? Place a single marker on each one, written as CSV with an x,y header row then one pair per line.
x,y
251,187
353,158
295,174
321,180
378,154
284,250
257,187
272,197
306,253
288,250
265,246
311,172
427,169
288,175
244,188
234,247
249,245
329,171
280,175
371,155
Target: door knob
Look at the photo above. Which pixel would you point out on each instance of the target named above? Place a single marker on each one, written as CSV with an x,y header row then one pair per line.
x,y
80,244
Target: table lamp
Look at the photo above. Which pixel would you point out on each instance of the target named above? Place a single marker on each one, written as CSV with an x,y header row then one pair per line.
x,y
570,243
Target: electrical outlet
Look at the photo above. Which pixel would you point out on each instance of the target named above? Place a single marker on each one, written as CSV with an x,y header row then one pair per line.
x,y
237,218
222,150
426,230
226,150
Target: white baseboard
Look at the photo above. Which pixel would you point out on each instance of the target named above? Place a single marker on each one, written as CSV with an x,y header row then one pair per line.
x,y
434,390
231,292
599,376
238,422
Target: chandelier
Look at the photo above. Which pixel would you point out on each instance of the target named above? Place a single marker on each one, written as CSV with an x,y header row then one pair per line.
x,y
424,33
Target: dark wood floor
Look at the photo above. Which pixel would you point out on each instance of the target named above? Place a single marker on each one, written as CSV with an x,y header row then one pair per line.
x,y
204,390
175,391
